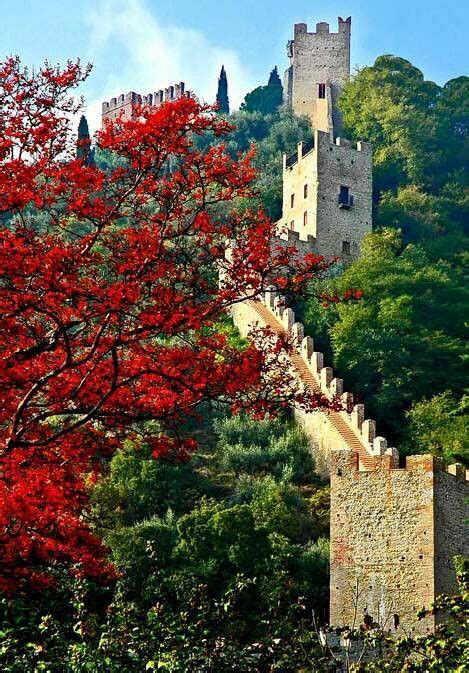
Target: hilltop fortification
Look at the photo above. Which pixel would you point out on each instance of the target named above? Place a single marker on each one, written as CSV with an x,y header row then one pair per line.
x,y
395,528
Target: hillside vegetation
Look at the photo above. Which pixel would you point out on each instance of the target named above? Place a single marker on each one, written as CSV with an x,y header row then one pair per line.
x,y
223,559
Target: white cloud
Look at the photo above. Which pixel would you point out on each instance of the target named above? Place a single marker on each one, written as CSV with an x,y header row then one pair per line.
x,y
151,56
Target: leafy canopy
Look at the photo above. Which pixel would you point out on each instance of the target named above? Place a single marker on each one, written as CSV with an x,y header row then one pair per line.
x,y
110,305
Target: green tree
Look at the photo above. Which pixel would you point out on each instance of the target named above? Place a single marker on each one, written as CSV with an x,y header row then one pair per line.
x,y
439,425
418,129
265,99
406,336
84,151
274,79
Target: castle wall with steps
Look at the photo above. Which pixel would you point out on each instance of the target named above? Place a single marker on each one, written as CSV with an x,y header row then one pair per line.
x,y
394,531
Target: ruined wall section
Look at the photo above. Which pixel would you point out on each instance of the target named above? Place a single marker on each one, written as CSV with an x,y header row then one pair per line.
x,y
387,530
317,58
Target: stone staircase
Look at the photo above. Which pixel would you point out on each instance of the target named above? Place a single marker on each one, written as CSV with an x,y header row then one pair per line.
x,y
356,433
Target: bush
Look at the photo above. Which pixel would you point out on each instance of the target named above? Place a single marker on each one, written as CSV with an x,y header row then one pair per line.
x,y
269,446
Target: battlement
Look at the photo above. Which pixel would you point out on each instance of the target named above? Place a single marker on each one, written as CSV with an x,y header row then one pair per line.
x,y
322,28
394,534
394,530
324,138
327,195
125,102
361,429
317,58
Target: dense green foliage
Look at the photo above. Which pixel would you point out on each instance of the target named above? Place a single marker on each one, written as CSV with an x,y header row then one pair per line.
x,y
272,135
265,99
402,348
418,129
224,559
265,447
221,564
405,339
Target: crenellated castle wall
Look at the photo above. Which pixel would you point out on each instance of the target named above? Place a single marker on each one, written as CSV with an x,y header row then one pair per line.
x,y
394,531
123,106
328,429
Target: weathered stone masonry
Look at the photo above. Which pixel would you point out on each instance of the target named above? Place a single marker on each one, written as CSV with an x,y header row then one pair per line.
x,y
319,67
123,106
394,532
327,195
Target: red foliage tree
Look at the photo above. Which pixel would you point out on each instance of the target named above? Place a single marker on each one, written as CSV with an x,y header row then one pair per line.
x,y
109,306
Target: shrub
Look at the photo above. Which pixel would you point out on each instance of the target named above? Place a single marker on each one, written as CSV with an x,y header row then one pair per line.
x,y
269,446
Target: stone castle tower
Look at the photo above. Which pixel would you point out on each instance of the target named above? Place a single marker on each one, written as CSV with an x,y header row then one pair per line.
x,y
327,184
394,529
319,67
394,534
327,195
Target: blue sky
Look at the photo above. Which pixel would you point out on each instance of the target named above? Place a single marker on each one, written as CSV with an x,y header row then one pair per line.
x,y
147,44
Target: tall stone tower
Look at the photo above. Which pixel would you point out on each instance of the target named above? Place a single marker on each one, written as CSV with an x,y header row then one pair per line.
x,y
327,183
319,67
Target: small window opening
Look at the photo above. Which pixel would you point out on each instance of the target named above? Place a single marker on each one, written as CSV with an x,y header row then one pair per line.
x,y
322,91
396,622
305,191
292,225
345,199
292,200
305,218
346,247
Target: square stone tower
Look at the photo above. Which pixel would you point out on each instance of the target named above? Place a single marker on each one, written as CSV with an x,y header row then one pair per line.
x,y
394,533
319,67
327,195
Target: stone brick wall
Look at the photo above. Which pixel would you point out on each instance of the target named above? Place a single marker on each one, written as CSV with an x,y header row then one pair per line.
x,y
393,534
451,524
317,58
124,104
312,181
340,230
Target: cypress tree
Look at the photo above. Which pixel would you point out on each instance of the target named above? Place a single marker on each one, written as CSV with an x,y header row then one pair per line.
x,y
84,151
265,99
222,93
274,79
